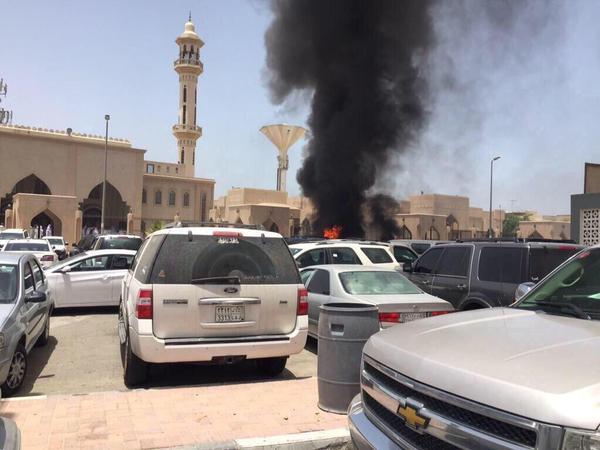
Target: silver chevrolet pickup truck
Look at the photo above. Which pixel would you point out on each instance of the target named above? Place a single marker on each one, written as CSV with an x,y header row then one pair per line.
x,y
522,377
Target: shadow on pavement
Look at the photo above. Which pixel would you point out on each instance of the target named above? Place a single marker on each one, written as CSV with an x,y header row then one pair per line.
x,y
85,311
36,361
312,345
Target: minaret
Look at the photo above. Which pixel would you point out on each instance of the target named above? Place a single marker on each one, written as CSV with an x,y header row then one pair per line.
x,y
188,66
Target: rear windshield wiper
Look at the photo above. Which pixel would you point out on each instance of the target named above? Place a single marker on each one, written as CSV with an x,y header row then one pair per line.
x,y
567,307
216,280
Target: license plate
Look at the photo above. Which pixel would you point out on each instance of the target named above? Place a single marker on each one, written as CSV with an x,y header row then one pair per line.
x,y
409,317
229,314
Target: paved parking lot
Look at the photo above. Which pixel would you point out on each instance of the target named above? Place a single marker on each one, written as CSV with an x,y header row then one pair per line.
x,y
83,356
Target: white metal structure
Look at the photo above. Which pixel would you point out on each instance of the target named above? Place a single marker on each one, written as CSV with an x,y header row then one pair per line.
x,y
341,251
283,137
40,248
211,294
89,279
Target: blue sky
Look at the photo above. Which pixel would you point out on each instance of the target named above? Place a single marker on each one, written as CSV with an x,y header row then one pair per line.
x,y
534,98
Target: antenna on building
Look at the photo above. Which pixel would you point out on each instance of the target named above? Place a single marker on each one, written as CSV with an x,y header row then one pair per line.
x,y
190,16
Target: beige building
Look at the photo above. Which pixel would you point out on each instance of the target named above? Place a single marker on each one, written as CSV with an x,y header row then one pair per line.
x,y
538,226
445,217
53,177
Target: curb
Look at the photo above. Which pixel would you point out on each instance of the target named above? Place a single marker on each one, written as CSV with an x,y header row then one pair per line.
x,y
336,439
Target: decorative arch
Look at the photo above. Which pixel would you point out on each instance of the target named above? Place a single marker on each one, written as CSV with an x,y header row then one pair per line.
x,y
115,217
405,233
535,235
31,184
453,227
305,227
186,199
41,221
432,234
172,198
158,198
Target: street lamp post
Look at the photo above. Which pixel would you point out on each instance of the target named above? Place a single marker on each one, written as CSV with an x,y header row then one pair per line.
x,y
490,228
106,118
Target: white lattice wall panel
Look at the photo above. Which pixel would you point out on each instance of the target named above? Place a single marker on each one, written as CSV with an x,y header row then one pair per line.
x,y
590,226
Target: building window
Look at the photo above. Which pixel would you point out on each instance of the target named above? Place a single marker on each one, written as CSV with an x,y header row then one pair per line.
x,y
184,94
203,208
158,198
172,198
149,168
182,155
194,157
186,199
184,109
590,226
144,196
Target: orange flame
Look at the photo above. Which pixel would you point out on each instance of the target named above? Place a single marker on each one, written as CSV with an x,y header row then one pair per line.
x,y
333,233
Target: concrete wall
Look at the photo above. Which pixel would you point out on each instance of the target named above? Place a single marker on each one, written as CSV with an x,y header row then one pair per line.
x,y
579,202
547,229
592,179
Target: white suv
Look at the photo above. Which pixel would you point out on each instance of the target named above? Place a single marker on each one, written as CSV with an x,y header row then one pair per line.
x,y
219,295
365,253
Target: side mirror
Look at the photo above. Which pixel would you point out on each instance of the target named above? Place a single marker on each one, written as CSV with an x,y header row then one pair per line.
x,y
65,269
407,267
35,297
523,289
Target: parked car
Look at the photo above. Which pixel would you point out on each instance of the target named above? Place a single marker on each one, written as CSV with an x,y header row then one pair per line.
x,y
484,274
397,299
41,248
522,377
58,245
84,244
12,233
344,252
211,294
25,307
92,278
403,252
117,241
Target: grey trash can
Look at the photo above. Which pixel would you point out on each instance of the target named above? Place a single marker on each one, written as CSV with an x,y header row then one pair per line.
x,y
344,328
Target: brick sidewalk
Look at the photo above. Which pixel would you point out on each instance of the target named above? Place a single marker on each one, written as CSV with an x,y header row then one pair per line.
x,y
169,417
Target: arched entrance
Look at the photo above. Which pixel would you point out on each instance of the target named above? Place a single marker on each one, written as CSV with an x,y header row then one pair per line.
x,y
306,228
115,217
432,234
39,224
31,184
453,227
535,235
404,233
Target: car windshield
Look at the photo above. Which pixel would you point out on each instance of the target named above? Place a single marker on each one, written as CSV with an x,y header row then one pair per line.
x,y
403,254
573,290
376,283
8,283
219,260
7,235
295,250
121,243
55,241
27,247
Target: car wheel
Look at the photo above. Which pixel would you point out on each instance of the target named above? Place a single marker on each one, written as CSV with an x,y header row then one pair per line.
x,y
272,366
16,372
43,339
135,371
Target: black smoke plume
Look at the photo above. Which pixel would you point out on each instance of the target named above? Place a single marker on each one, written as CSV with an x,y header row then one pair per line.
x,y
381,212
360,61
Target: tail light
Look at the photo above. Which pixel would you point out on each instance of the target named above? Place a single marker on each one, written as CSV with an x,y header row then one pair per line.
x,y
143,305
389,317
47,258
439,313
302,302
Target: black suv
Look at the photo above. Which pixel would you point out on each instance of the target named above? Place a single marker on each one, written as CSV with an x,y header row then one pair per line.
x,y
473,275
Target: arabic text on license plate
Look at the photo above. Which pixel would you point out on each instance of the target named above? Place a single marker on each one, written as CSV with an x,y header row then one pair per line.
x,y
409,317
229,314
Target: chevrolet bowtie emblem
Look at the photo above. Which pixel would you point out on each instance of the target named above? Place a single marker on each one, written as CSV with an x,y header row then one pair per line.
x,y
410,411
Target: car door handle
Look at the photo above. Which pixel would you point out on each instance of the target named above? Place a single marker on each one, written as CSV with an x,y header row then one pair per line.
x,y
461,287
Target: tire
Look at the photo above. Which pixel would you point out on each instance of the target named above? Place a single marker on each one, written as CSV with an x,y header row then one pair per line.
x,y
272,366
44,337
135,371
16,373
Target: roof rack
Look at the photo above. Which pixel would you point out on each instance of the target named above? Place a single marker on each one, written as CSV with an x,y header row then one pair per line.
x,y
212,224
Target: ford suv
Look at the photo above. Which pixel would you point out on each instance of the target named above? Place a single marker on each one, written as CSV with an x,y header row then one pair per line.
x,y
208,294
334,251
522,377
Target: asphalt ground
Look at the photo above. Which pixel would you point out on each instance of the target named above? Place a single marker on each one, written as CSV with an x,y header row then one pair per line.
x,y
82,356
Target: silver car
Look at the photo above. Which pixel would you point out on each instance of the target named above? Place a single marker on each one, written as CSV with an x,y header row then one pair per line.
x,y
397,298
25,309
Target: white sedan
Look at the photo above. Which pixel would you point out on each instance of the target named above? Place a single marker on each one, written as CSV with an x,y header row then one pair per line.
x,y
397,298
38,247
91,278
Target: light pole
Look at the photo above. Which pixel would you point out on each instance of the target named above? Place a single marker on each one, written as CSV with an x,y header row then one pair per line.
x,y
490,228
106,118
